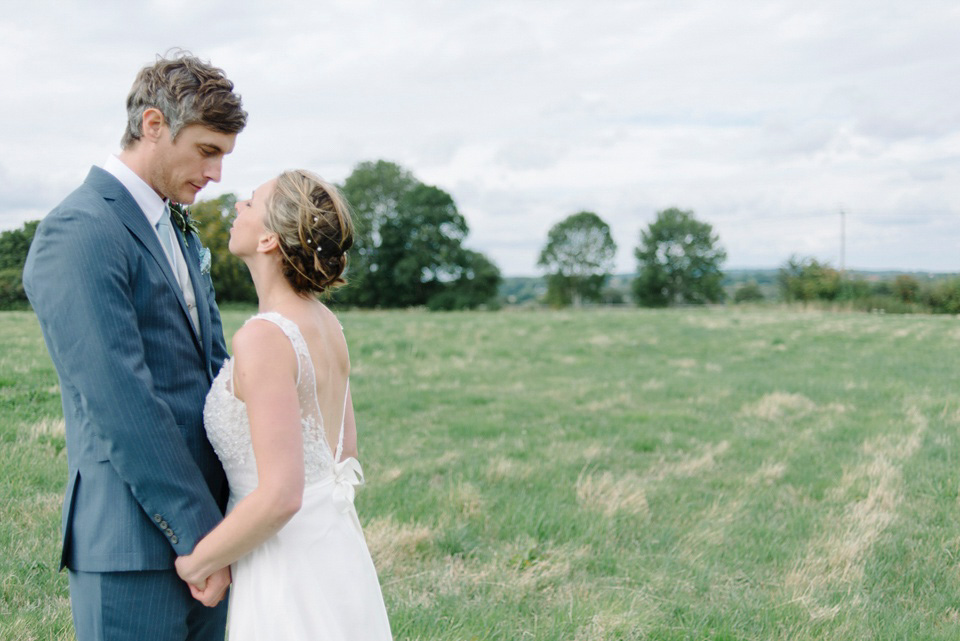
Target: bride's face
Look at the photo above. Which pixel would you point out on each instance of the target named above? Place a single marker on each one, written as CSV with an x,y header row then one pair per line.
x,y
248,229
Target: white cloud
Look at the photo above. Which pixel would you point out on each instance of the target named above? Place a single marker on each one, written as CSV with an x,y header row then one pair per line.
x,y
763,117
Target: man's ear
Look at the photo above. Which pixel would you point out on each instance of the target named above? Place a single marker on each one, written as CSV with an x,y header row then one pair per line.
x,y
153,124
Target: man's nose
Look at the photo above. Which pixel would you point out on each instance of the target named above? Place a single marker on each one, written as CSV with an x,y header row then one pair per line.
x,y
212,171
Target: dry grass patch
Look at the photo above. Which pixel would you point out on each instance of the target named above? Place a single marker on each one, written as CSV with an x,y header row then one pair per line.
x,y
445,459
48,427
394,545
526,564
600,340
608,494
624,400
836,560
838,557
572,452
769,473
777,405
47,502
711,531
690,466
457,574
390,475
500,468
466,499
595,451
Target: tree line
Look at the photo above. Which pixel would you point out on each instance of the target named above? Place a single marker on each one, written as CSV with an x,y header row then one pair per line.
x,y
408,248
808,280
679,262
409,251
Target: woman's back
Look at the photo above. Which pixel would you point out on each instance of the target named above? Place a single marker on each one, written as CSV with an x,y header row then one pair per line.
x,y
330,361
322,370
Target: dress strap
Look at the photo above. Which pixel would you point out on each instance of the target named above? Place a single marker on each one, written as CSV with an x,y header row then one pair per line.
x,y
343,420
292,332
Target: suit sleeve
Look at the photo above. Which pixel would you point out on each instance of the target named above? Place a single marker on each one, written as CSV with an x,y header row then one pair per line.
x,y
78,281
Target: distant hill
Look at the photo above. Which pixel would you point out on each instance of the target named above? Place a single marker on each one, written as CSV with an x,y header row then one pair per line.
x,y
528,290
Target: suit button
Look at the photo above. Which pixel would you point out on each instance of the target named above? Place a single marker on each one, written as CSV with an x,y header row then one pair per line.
x,y
157,518
174,540
169,532
163,525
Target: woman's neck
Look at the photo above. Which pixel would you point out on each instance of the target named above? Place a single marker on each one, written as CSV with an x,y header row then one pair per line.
x,y
273,290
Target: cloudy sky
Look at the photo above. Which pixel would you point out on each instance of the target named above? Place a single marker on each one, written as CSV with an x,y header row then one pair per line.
x,y
765,118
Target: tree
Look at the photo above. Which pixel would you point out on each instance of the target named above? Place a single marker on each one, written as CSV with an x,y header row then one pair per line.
x,y
14,245
906,288
748,292
679,261
476,285
807,279
943,296
578,257
231,278
374,191
419,248
408,246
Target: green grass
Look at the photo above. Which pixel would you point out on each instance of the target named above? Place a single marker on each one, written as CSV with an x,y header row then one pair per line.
x,y
611,474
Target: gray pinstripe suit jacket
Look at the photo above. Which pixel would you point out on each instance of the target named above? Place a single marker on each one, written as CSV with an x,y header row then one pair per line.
x,y
144,483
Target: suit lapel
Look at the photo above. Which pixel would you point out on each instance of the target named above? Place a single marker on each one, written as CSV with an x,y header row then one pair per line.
x,y
133,218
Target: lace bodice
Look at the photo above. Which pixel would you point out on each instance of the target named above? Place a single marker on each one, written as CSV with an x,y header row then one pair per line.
x,y
228,426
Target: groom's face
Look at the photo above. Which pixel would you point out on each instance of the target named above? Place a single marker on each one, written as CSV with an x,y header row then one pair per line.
x,y
182,167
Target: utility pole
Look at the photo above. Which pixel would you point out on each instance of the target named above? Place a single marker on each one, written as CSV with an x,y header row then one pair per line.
x,y
843,241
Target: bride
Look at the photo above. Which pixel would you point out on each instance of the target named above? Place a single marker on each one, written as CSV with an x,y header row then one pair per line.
x,y
280,417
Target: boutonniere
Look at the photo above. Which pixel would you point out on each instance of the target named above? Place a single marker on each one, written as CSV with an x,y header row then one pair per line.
x,y
181,218
204,260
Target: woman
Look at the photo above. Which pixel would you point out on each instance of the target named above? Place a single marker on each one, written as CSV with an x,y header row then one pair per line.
x,y
280,417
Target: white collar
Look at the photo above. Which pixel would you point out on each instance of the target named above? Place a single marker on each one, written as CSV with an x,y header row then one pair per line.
x,y
150,203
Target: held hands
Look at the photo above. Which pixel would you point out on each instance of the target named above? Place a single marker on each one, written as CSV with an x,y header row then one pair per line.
x,y
208,590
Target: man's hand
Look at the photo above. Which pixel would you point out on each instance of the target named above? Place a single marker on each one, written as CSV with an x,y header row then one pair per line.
x,y
208,591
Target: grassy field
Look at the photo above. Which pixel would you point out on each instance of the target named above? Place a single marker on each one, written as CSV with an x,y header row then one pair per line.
x,y
623,474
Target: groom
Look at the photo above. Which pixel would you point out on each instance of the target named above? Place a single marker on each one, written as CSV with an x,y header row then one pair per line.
x,y
132,327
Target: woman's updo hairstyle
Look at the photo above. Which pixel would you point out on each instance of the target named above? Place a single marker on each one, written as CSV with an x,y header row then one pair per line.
x,y
312,222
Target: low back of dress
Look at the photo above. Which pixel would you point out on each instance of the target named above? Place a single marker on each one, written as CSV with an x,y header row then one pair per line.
x,y
228,426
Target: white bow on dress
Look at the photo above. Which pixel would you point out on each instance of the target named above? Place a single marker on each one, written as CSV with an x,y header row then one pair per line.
x,y
348,475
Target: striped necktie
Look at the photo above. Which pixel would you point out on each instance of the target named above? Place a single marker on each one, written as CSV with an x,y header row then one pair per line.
x,y
163,230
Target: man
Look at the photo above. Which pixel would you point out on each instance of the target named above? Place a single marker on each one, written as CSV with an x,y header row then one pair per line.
x,y
132,327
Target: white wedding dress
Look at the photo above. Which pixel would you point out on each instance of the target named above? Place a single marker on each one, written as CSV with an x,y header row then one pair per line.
x,y
314,579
